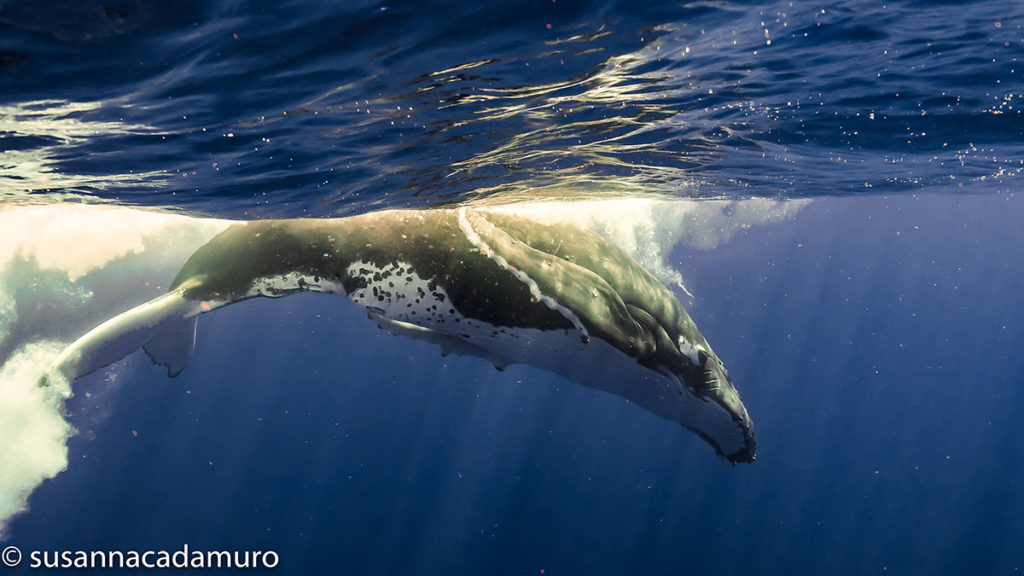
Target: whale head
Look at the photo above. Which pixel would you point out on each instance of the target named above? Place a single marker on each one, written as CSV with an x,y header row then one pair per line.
x,y
705,376
656,356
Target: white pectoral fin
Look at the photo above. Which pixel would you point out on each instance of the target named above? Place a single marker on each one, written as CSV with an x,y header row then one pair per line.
x,y
165,326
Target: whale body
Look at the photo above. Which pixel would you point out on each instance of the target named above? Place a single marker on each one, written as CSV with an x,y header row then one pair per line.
x,y
485,283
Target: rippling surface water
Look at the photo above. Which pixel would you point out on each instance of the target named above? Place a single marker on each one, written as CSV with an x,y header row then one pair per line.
x,y
306,108
835,185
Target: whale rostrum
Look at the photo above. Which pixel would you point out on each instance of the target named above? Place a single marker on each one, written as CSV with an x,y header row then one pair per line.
x,y
479,282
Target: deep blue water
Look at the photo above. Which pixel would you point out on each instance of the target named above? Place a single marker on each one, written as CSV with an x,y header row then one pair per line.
x,y
875,336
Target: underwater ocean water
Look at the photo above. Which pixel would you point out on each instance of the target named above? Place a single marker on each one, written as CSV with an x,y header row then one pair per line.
x,y
830,189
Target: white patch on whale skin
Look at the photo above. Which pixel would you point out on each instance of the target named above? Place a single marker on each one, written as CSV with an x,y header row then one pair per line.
x,y
691,351
290,283
397,292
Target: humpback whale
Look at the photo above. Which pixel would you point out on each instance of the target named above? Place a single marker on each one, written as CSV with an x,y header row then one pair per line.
x,y
486,283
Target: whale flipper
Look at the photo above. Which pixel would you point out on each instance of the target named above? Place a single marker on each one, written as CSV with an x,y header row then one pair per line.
x,y
172,344
129,331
